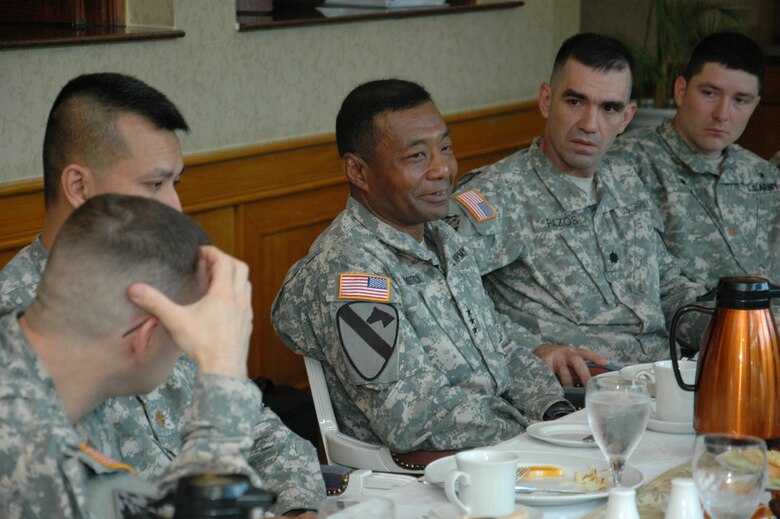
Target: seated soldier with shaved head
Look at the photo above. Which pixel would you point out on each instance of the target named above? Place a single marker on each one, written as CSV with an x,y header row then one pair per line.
x,y
129,286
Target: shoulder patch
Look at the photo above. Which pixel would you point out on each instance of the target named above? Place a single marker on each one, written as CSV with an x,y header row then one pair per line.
x,y
106,461
368,333
364,286
476,204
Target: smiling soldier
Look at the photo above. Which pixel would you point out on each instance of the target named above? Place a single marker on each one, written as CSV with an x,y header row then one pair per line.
x,y
390,300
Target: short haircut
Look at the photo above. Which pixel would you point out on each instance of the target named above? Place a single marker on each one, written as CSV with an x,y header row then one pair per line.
x,y
355,129
596,51
82,128
733,50
108,243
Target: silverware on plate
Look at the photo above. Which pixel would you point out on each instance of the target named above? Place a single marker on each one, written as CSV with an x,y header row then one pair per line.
x,y
525,489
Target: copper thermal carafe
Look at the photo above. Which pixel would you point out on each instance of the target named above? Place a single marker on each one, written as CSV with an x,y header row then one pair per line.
x,y
738,376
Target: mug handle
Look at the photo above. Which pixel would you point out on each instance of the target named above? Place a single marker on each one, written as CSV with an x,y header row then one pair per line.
x,y
449,489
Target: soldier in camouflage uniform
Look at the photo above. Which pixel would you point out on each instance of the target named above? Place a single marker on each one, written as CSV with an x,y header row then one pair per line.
x,y
569,243
720,203
148,427
390,300
83,339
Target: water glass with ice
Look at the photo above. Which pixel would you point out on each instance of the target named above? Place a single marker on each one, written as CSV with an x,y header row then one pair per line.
x,y
618,410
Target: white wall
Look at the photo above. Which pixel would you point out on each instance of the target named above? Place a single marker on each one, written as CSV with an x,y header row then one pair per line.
x,y
249,88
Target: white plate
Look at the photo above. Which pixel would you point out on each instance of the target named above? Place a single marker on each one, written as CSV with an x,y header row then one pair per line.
x,y
654,424
450,511
563,434
437,471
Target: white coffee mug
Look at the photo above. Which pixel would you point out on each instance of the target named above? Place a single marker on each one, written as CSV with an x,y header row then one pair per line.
x,y
484,483
672,403
641,372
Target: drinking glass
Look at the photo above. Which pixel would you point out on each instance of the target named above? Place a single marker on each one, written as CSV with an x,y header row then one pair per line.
x,y
730,472
618,411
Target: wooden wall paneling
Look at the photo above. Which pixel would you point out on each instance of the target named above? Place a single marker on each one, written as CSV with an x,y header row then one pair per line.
x,y
277,233
21,215
762,134
68,12
220,225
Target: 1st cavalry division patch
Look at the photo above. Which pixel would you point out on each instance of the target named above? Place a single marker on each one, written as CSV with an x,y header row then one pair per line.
x,y
368,333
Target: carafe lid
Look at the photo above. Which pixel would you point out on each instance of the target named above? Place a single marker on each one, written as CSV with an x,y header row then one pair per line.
x,y
745,292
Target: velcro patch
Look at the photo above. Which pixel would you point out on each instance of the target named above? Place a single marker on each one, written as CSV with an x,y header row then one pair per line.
x,y
364,286
368,334
476,204
106,461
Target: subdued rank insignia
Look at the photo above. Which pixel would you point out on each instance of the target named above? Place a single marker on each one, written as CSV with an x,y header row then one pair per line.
x,y
368,332
476,204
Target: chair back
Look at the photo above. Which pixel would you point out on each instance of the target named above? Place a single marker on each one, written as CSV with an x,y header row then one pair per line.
x,y
340,448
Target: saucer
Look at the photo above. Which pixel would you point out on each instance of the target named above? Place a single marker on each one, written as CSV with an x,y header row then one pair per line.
x,y
654,424
565,434
450,511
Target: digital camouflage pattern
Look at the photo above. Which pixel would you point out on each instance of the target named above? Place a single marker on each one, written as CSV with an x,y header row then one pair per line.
x,y
451,375
148,427
20,277
775,160
717,222
576,271
45,467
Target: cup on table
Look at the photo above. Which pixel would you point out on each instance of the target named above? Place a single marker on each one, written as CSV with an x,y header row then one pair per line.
x,y
641,372
484,483
672,403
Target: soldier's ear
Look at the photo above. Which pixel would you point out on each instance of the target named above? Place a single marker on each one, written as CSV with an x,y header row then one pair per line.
x,y
356,170
545,98
77,183
628,114
680,86
142,340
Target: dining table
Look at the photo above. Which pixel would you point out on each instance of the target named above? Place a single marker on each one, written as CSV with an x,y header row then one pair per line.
x,y
657,454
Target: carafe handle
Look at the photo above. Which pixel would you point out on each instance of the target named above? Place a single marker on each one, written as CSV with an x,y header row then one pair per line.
x,y
673,342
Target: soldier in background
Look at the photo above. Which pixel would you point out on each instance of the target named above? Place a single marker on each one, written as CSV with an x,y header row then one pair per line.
x,y
720,203
103,325
390,300
569,242
112,133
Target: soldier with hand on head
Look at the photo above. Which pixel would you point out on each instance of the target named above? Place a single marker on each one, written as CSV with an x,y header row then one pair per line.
x,y
390,299
129,286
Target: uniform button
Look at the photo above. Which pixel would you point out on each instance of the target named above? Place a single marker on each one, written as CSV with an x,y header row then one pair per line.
x,y
159,418
732,231
613,257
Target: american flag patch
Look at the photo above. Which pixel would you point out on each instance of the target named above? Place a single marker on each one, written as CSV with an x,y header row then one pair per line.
x,y
476,205
364,286
104,460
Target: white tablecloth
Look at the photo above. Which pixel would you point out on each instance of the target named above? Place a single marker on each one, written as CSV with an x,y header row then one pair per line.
x,y
656,453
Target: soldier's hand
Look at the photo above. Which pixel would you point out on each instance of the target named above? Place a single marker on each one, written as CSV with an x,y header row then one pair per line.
x,y
214,331
568,362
